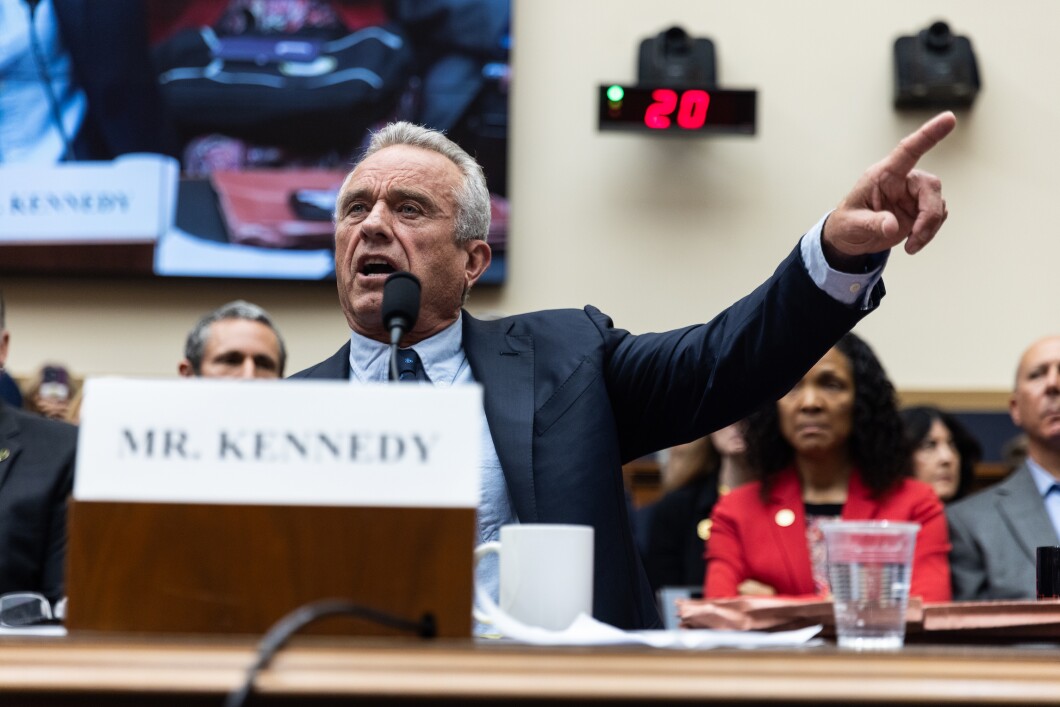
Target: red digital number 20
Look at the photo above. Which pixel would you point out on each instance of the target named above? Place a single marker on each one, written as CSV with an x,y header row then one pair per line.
x,y
691,112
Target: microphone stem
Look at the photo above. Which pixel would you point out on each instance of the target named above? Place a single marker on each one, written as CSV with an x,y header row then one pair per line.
x,y
396,333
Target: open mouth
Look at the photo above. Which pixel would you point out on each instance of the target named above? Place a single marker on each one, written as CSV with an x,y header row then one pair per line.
x,y
375,267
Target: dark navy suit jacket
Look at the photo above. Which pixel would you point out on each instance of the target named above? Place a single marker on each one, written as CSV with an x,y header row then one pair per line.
x,y
36,477
570,398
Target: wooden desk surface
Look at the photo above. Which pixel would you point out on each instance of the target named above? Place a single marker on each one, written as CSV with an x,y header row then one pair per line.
x,y
93,670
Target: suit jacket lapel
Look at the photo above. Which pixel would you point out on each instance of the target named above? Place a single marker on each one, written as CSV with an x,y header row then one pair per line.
x,y
503,362
337,367
790,539
860,503
9,443
1020,504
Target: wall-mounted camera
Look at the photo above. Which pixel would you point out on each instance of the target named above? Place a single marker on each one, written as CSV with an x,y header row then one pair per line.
x,y
936,69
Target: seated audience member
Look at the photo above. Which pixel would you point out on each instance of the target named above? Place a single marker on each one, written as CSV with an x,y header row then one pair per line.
x,y
236,340
995,532
73,411
831,448
36,477
944,452
50,392
679,522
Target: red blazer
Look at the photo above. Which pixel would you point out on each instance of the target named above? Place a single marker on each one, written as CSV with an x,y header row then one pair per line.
x,y
746,542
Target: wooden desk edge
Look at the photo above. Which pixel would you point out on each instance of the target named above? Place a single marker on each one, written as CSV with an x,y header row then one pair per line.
x,y
456,670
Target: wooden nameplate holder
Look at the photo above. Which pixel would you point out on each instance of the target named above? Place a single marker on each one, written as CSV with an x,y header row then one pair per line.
x,y
218,510
183,568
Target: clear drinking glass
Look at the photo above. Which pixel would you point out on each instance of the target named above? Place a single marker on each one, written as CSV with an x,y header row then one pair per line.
x,y
869,568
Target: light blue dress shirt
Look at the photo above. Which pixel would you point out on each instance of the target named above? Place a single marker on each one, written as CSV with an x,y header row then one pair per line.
x,y
1050,496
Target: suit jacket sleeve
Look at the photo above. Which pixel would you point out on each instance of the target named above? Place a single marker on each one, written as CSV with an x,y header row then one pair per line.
x,y
672,387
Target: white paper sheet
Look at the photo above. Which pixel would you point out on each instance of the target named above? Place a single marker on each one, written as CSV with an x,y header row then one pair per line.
x,y
587,631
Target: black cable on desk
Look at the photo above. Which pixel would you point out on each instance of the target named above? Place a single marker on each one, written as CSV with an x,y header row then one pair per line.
x,y
282,630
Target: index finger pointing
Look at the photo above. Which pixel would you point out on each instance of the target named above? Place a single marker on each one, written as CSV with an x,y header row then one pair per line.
x,y
903,158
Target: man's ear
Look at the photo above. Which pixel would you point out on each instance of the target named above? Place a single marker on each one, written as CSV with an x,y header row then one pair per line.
x,y
185,369
4,337
479,256
1014,411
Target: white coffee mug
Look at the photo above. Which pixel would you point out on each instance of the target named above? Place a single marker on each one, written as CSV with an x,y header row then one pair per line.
x,y
546,574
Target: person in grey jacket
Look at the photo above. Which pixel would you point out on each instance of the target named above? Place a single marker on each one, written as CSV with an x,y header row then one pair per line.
x,y
996,531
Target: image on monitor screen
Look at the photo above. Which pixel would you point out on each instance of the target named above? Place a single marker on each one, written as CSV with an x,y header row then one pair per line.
x,y
236,119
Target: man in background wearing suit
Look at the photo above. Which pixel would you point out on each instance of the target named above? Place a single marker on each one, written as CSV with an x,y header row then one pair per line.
x,y
36,477
236,340
568,398
996,531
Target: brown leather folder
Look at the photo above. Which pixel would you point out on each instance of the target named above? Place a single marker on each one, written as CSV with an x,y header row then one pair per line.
x,y
981,621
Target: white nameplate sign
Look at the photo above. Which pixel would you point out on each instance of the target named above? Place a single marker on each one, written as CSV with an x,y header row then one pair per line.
x,y
132,199
328,443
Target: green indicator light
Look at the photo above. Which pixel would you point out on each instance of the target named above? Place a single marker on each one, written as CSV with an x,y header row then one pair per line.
x,y
615,94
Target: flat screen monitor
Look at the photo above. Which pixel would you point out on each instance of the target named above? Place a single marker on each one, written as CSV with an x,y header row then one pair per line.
x,y
264,105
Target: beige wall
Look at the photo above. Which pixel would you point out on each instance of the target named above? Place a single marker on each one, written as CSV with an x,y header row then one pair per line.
x,y
660,233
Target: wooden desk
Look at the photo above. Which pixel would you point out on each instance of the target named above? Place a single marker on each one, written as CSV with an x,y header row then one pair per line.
x,y
127,671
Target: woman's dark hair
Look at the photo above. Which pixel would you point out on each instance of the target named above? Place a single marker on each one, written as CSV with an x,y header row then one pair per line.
x,y
876,445
918,421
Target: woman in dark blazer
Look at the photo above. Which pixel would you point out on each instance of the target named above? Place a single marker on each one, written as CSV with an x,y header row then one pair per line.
x,y
833,447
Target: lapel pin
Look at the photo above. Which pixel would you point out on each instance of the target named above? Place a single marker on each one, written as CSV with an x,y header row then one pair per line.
x,y
703,529
784,517
4,453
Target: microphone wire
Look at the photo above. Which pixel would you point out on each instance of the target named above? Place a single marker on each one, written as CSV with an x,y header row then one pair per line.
x,y
280,632
45,78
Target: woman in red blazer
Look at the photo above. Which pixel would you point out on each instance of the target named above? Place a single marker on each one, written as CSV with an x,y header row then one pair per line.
x,y
831,448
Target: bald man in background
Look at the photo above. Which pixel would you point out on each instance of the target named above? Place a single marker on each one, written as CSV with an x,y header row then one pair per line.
x,y
995,532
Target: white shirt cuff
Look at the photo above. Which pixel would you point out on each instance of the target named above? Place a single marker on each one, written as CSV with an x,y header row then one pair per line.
x,y
848,288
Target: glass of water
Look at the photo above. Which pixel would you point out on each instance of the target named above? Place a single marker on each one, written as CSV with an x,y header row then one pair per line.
x,y
869,568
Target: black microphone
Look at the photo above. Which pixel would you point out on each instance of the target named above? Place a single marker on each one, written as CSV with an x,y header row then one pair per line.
x,y
401,307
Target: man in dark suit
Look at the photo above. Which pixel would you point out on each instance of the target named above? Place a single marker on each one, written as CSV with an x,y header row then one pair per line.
x,y
36,477
995,532
568,398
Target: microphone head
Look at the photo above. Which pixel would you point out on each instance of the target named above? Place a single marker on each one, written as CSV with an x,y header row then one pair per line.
x,y
401,300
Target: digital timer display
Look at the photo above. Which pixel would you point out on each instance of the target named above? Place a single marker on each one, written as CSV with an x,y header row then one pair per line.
x,y
690,110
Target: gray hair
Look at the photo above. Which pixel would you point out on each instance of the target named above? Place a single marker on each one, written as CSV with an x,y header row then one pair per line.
x,y
473,198
195,345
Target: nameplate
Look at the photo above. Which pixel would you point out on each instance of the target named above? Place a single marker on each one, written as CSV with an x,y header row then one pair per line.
x,y
131,199
328,443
